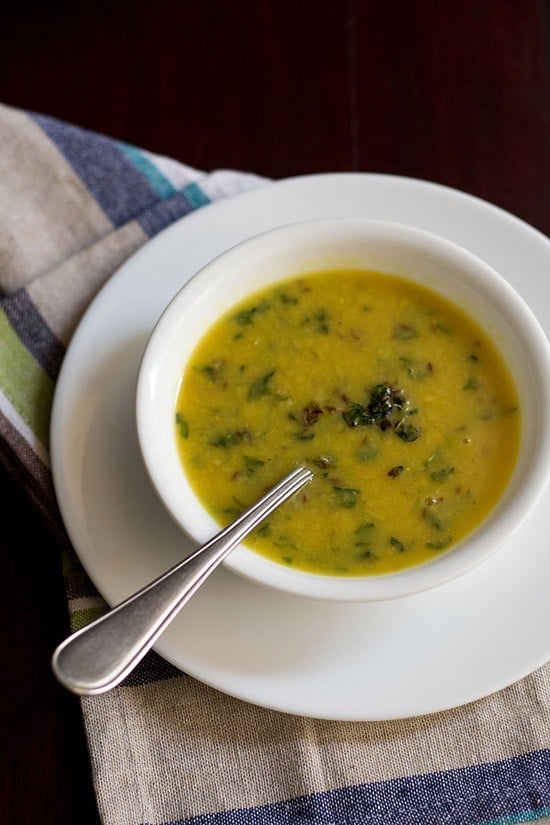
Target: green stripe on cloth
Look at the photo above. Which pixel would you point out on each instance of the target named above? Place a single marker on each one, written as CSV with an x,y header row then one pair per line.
x,y
83,617
143,164
25,383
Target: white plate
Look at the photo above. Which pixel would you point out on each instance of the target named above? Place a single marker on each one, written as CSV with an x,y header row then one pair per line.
x,y
380,661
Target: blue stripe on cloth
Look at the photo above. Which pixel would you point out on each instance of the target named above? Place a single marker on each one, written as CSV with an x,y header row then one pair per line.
x,y
33,332
120,189
476,795
145,165
164,213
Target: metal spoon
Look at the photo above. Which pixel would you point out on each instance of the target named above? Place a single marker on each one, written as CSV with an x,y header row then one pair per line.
x,y
98,657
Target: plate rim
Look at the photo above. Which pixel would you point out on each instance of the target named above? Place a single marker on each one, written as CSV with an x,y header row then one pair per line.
x,y
150,247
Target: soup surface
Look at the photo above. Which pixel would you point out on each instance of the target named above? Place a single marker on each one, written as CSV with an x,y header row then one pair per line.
x,y
398,401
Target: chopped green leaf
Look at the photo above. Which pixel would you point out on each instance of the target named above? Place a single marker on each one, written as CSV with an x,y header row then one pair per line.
x,y
236,509
246,317
251,464
357,415
443,474
230,439
471,384
363,534
260,387
304,435
322,317
383,409
384,400
283,542
213,369
182,425
406,430
286,298
346,496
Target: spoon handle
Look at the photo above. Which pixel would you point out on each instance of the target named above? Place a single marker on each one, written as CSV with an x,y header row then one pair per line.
x,y
96,658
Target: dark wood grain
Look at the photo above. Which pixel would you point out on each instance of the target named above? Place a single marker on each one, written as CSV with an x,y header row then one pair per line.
x,y
456,93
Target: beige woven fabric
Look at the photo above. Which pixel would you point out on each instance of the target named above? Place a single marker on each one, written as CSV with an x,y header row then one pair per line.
x,y
185,748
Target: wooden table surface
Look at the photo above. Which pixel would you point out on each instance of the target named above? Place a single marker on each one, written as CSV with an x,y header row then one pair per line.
x,y
452,92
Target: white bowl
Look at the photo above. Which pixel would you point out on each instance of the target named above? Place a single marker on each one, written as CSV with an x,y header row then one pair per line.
x,y
311,246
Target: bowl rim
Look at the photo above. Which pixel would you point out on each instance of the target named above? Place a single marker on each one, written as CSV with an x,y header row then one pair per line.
x,y
506,516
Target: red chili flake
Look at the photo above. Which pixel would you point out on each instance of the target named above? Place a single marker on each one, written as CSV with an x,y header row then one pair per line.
x,y
311,413
429,367
395,471
404,331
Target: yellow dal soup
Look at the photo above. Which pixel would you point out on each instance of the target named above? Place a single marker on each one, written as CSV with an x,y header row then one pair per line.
x,y
398,401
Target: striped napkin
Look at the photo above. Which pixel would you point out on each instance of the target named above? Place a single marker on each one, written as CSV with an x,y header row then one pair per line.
x,y
163,747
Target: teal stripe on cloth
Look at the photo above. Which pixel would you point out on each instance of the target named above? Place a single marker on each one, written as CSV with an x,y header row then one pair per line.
x,y
158,182
514,819
195,196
